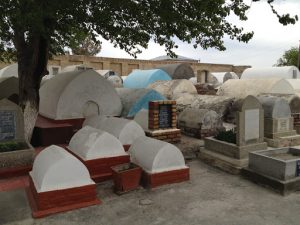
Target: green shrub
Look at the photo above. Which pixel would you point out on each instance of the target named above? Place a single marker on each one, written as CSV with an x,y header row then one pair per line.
x,y
12,146
228,136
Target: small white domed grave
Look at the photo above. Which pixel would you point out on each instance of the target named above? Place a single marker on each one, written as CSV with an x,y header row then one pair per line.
x,y
90,143
56,169
156,156
125,130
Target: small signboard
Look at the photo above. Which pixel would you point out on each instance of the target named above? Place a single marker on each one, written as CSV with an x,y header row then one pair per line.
x,y
298,168
7,125
165,116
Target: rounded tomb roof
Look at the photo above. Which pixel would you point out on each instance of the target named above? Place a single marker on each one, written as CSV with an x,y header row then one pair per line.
x,y
9,71
91,143
9,88
156,156
142,78
133,100
287,72
172,89
55,169
78,94
275,107
125,130
192,117
178,70
116,81
242,88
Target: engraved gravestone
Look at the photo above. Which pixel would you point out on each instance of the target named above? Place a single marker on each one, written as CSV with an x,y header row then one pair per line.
x,y
165,116
11,121
250,122
15,153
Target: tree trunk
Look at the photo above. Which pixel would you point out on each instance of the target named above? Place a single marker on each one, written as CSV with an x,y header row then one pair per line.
x,y
32,66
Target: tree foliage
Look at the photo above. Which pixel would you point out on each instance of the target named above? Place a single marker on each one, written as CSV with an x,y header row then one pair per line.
x,y
33,30
84,44
289,58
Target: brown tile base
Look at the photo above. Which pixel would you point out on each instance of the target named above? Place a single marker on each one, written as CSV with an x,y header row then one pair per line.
x,y
168,135
14,172
282,187
163,178
51,202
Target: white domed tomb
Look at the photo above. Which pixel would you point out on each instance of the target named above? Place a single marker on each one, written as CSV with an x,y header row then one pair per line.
x,y
99,151
163,163
218,78
279,124
200,123
178,70
286,72
241,88
59,182
78,94
124,130
9,88
116,81
9,71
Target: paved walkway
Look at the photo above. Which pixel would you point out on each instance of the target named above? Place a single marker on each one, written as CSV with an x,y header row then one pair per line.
x,y
212,197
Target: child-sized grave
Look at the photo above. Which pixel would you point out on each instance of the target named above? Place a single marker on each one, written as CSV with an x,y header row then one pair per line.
x,y
160,121
278,122
98,151
229,149
59,182
162,163
278,169
16,156
124,130
200,123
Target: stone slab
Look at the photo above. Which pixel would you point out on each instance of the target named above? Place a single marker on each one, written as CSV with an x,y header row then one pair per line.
x,y
282,187
223,162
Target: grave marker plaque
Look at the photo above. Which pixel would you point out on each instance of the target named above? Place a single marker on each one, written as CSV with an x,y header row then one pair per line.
x,y
298,168
7,125
165,116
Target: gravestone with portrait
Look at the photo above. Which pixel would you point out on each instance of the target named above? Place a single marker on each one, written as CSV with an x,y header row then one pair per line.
x,y
162,121
279,122
231,154
16,156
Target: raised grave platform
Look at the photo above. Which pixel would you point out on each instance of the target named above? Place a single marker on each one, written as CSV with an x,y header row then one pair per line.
x,y
278,169
48,131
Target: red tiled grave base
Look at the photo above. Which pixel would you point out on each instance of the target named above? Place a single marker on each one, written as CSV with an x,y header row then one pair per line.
x,y
169,177
14,172
47,131
51,202
14,183
100,169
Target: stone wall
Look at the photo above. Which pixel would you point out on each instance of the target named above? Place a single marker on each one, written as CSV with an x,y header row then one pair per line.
x,y
125,66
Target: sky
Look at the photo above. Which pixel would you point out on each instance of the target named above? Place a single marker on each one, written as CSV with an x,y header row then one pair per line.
x,y
270,39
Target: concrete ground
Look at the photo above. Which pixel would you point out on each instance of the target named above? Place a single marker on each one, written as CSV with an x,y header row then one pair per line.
x,y
211,197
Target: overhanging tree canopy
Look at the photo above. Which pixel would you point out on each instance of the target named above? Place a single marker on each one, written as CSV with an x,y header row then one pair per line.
x,y
35,29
